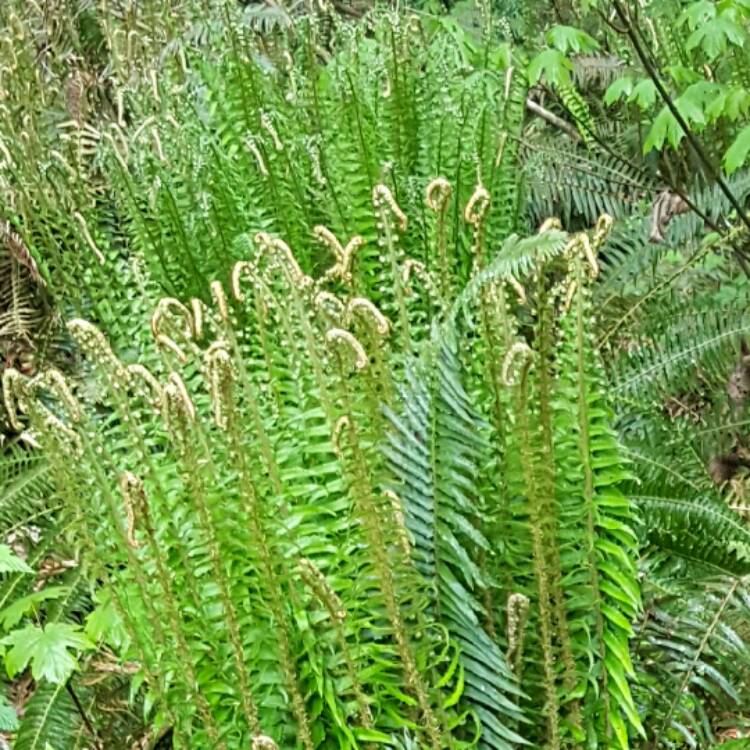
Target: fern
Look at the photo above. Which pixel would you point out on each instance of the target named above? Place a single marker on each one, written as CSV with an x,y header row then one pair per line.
x,y
25,486
573,185
701,531
604,564
230,506
691,636
434,451
578,108
704,342
50,719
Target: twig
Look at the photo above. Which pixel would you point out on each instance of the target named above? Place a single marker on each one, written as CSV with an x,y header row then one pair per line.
x,y
82,711
674,187
553,119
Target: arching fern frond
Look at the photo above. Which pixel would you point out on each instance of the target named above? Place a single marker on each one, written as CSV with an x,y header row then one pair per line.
x,y
690,653
699,530
596,70
567,182
598,545
705,342
434,451
515,257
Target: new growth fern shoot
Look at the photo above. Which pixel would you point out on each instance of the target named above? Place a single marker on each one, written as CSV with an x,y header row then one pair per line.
x,y
288,564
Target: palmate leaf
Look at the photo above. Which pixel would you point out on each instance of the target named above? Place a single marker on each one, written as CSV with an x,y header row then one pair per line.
x,y
736,156
569,39
551,64
47,649
433,451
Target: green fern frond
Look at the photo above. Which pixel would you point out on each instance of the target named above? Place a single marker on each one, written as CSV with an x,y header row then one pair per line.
x,y
702,342
50,719
596,534
699,530
515,258
25,488
690,652
434,450
571,184
578,107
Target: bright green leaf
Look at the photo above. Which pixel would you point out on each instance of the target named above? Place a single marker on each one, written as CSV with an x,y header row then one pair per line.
x,y
47,649
15,612
371,735
103,620
551,65
692,102
697,14
618,89
714,36
737,103
665,128
736,156
644,93
569,39
10,562
683,75
455,696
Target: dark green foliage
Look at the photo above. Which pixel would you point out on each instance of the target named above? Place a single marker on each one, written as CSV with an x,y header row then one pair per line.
x,y
435,450
50,716
700,530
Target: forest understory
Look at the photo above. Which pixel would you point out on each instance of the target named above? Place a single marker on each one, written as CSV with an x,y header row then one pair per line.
x,y
374,374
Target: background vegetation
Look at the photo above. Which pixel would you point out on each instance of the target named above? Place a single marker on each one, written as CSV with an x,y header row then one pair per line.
x,y
373,375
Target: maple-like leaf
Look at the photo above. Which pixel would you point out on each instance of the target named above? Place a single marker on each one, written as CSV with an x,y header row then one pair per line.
x,y
47,649
552,65
570,39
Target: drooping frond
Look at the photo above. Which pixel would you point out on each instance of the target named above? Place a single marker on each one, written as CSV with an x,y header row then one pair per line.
x,y
24,306
698,342
690,651
25,488
596,70
574,184
515,258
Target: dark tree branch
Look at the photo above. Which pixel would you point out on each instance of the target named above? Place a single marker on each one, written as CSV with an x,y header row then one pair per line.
x,y
82,711
739,253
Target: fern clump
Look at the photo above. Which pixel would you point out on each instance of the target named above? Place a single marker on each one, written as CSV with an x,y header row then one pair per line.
x,y
257,500
319,430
